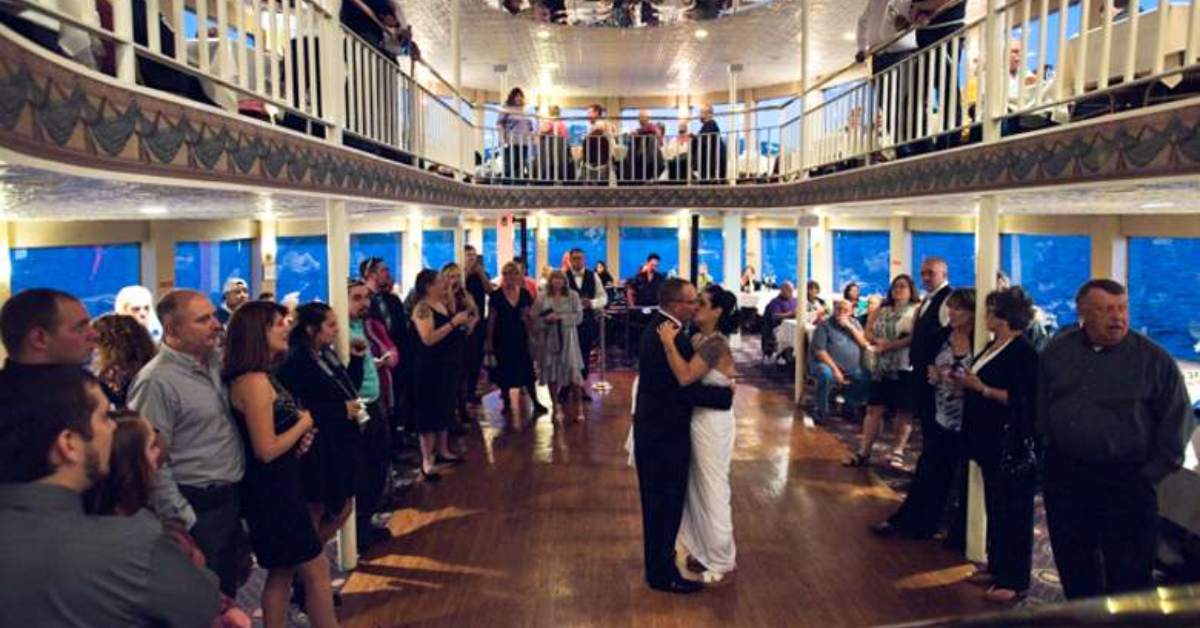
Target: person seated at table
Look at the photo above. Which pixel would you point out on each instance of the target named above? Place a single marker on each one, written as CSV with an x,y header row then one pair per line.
x,y
703,278
645,161
782,306
814,305
750,281
606,278
853,296
836,357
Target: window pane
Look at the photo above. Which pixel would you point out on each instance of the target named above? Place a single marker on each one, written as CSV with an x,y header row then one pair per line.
x,y
437,248
303,268
1050,268
779,256
712,252
386,246
591,239
1164,292
639,242
958,249
205,266
862,257
93,273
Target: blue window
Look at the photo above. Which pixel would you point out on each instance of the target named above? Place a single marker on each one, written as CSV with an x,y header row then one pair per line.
x,y
958,249
1050,268
386,246
591,239
862,257
437,248
205,266
639,242
712,252
779,256
303,268
1164,292
93,273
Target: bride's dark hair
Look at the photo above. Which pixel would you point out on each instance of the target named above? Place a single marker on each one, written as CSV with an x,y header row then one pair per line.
x,y
727,302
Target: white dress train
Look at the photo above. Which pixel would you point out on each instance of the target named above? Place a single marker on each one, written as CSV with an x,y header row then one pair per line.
x,y
707,527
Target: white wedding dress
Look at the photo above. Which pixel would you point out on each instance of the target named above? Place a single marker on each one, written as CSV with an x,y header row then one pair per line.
x,y
707,527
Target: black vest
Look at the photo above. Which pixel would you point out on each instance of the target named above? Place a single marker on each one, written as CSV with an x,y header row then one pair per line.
x,y
927,332
588,289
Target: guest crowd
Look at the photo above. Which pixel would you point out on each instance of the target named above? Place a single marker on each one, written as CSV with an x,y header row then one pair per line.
x,y
1094,417
139,476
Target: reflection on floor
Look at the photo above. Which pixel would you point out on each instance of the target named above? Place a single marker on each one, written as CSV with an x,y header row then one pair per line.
x,y
542,527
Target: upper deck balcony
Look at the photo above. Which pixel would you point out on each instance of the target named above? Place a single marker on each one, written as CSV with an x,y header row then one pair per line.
x,y
1017,97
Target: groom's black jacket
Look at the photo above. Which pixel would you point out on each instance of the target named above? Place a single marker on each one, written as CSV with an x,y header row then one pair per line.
x,y
662,404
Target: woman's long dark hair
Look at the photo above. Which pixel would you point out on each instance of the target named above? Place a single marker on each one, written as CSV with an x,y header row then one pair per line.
x,y
309,317
511,100
246,346
126,489
424,280
721,298
890,301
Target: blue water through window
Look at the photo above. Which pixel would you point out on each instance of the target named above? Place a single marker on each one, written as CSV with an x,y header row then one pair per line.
x,y
93,273
958,249
386,246
639,242
437,248
862,257
206,265
1050,268
303,268
712,252
1164,292
779,256
592,240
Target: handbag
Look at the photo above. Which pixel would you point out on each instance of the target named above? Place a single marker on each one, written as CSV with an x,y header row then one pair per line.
x,y
1018,453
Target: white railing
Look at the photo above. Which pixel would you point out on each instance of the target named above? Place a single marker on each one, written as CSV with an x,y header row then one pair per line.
x,y
1070,60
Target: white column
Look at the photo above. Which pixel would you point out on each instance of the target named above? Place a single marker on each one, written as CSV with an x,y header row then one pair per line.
x,y
802,150
1110,249
683,225
501,71
414,250
731,134
333,73
987,262
805,222
475,238
460,240
505,229
126,60
995,70
541,245
158,258
337,242
900,243
822,257
5,270
268,250
731,227
464,162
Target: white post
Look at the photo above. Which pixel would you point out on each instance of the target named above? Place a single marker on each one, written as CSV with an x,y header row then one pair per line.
x,y
732,133
803,134
5,270
995,70
268,249
505,228
731,227
126,60
414,253
987,262
900,239
683,225
460,240
464,163
333,77
800,352
337,243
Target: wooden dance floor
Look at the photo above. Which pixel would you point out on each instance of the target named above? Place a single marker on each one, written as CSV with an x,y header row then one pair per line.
x,y
542,527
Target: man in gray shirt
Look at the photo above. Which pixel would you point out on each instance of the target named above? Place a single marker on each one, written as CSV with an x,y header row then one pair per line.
x,y
837,346
1113,414
62,567
181,393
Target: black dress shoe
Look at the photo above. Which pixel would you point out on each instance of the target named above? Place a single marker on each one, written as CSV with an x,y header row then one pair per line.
x,y
677,585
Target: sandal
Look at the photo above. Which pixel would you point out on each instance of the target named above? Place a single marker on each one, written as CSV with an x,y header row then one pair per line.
x,y
856,460
896,461
1001,595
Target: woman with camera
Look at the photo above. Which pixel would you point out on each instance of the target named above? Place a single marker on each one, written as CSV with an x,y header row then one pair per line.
x,y
559,316
316,378
941,457
436,375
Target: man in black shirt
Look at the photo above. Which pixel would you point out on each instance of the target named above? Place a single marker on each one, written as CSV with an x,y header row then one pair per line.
x,y
388,308
1114,418
478,285
643,287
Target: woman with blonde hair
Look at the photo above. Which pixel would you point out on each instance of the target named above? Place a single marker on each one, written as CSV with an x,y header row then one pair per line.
x,y
459,300
559,314
508,338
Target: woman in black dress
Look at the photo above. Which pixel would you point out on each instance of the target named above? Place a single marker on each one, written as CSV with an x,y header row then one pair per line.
x,y
510,318
276,432
998,410
459,300
436,391
314,375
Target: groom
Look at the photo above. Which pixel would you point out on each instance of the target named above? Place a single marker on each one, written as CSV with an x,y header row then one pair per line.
x,y
662,437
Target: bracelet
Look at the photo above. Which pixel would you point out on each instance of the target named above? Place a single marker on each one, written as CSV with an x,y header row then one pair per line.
x,y
984,393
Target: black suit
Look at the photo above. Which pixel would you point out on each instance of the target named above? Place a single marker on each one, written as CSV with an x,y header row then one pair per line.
x,y
927,338
663,446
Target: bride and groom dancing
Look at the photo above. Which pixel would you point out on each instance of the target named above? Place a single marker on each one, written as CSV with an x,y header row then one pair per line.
x,y
683,430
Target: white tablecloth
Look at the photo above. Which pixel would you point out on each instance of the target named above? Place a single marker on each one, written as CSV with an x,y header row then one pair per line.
x,y
757,301
785,333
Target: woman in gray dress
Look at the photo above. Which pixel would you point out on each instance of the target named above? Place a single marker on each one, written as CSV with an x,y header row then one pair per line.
x,y
558,315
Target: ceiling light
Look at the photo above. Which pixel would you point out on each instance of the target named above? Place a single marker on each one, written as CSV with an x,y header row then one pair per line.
x,y
1157,205
701,34
153,210
850,36
543,33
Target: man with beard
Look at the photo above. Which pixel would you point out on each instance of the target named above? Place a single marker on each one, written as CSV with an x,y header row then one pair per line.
x,y
62,567
387,307
181,392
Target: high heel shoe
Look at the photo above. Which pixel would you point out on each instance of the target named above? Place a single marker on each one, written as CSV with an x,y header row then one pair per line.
x,y
430,476
449,459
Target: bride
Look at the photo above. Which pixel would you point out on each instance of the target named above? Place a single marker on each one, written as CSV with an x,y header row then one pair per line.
x,y
707,527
